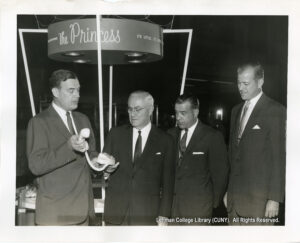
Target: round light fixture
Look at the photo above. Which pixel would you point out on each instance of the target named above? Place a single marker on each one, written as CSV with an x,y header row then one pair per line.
x,y
81,61
135,54
72,54
136,61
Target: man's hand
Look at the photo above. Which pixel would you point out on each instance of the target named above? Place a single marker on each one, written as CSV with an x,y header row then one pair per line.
x,y
272,209
225,200
105,162
77,144
162,221
95,162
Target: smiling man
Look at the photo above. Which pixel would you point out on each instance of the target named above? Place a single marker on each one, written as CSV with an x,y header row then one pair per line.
x,y
140,191
256,152
56,156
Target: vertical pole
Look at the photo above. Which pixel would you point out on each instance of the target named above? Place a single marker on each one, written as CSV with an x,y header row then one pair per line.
x,y
110,95
100,82
115,114
156,115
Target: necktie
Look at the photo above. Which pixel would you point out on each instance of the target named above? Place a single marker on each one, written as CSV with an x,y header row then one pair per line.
x,y
243,120
69,121
182,146
138,147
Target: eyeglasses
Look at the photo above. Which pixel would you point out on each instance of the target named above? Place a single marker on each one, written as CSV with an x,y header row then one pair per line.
x,y
135,109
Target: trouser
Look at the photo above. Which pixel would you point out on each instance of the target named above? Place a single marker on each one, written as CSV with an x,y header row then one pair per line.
x,y
125,222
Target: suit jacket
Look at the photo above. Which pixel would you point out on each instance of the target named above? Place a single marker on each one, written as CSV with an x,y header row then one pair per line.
x,y
64,194
141,190
201,178
258,160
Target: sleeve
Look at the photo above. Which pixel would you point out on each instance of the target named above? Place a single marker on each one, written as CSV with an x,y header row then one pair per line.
x,y
277,135
168,177
218,166
43,158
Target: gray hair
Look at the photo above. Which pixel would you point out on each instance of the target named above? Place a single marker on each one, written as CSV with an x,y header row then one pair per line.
x,y
145,95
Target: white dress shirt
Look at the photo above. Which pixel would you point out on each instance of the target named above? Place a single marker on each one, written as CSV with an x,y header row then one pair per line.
x,y
252,103
63,115
144,134
190,133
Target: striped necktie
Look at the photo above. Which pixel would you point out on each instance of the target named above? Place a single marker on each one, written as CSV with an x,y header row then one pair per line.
x,y
70,124
182,146
243,120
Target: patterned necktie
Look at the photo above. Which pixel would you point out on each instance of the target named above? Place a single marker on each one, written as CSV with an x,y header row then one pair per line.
x,y
243,120
138,147
69,121
182,146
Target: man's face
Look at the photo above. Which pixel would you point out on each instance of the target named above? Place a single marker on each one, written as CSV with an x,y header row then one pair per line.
x,y
67,95
139,111
247,85
186,116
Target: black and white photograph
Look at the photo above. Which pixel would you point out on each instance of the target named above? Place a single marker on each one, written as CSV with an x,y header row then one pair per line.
x,y
177,122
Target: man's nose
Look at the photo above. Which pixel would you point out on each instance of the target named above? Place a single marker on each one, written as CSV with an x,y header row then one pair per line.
x,y
77,94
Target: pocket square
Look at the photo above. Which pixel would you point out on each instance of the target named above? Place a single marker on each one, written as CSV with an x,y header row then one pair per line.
x,y
158,153
198,153
256,127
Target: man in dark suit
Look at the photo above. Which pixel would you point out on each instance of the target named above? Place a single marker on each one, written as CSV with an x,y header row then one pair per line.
x,y
202,166
140,191
55,156
256,152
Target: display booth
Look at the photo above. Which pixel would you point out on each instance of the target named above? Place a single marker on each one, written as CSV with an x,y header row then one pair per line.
x,y
123,41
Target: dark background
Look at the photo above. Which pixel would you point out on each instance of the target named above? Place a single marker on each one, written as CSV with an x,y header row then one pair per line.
x,y
219,44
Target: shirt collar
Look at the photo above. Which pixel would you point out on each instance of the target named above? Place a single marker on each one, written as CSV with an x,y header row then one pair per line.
x,y
254,100
192,128
62,112
145,129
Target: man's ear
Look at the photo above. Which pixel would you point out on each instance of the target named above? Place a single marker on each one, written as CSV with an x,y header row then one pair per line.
x,y
55,92
151,109
260,83
196,112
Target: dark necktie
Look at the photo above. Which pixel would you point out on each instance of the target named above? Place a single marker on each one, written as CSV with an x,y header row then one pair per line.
x,y
242,123
70,125
182,146
138,147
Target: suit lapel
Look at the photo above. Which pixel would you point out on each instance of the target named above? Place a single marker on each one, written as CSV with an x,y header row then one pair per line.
x,y
128,145
193,141
237,121
149,149
195,138
178,133
57,121
253,117
78,122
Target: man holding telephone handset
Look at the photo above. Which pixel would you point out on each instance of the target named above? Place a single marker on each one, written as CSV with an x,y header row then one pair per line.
x,y
60,142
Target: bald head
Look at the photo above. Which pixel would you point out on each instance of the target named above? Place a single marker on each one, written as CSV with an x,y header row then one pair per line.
x,y
143,95
140,108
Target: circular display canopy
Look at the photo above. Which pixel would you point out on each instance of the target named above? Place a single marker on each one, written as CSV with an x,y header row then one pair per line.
x,y
123,41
